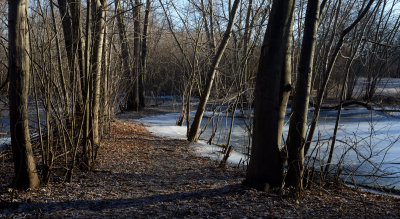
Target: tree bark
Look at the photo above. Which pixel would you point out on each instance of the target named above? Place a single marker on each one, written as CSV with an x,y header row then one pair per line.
x,y
298,121
77,52
99,8
67,30
26,175
143,68
123,37
271,94
194,128
59,58
105,75
73,44
133,102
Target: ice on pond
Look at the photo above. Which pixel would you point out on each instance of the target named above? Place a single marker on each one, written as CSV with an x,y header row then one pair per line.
x,y
369,140
165,126
4,142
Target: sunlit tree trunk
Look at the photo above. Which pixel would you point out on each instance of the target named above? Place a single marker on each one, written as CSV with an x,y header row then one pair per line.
x,y
98,9
26,175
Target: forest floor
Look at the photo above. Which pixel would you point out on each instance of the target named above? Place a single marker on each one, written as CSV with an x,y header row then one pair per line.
x,y
141,175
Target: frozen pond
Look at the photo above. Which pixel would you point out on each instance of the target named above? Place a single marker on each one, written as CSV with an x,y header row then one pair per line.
x,y
5,139
385,86
368,141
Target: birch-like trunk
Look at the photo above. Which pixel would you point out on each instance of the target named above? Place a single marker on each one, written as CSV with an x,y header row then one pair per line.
x,y
99,8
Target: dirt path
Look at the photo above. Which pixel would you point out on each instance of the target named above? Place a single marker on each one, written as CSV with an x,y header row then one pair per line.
x,y
140,175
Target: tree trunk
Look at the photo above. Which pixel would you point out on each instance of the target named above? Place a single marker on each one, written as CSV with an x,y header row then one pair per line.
x,y
105,75
99,8
211,14
59,58
298,121
87,91
328,72
67,29
133,102
143,68
77,53
194,128
26,175
271,94
126,56
73,44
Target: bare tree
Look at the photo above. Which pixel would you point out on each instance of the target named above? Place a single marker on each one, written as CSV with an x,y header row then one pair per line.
x,y
328,71
192,136
133,99
99,8
298,120
26,175
143,66
271,95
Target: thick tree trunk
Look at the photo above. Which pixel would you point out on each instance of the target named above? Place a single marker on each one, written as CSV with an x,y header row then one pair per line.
x,y
26,175
194,128
298,121
271,94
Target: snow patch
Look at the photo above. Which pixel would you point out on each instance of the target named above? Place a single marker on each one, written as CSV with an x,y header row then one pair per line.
x,y
165,126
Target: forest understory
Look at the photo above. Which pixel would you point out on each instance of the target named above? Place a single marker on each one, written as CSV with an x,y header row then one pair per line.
x,y
141,175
